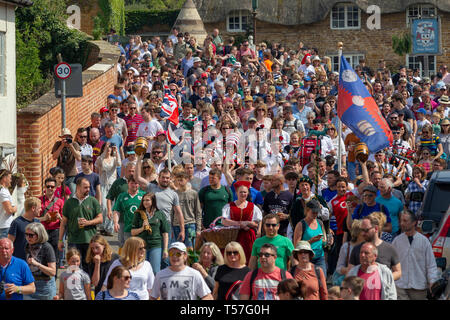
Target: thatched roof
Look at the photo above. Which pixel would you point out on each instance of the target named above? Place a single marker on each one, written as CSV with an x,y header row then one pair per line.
x,y
21,3
294,12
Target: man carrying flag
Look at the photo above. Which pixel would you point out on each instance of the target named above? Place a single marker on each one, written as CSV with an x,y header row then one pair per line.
x,y
357,110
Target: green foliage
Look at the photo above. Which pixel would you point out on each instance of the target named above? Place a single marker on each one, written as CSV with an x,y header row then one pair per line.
x,y
112,16
137,19
42,34
154,4
402,44
193,256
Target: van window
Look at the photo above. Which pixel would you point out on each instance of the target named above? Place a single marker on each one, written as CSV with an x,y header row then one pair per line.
x,y
441,191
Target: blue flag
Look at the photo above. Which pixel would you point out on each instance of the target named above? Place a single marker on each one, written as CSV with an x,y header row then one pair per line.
x,y
358,110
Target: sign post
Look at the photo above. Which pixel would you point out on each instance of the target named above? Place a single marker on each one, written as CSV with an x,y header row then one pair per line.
x,y
63,72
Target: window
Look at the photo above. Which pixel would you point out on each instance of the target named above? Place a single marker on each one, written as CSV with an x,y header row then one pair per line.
x,y
238,21
353,59
420,11
417,62
2,64
345,16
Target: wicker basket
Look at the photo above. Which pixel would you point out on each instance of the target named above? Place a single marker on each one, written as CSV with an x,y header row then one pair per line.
x,y
221,236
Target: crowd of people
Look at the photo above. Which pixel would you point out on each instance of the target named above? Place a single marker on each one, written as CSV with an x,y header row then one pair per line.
x,y
304,227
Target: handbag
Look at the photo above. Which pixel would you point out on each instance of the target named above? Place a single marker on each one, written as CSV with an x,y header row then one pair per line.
x,y
337,277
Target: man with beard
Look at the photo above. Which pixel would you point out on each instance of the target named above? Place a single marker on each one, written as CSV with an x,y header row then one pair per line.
x,y
278,201
81,214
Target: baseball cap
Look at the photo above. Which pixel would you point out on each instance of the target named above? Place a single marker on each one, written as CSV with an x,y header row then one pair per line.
x,y
371,188
179,246
440,85
422,110
252,119
307,78
160,132
204,75
197,59
104,109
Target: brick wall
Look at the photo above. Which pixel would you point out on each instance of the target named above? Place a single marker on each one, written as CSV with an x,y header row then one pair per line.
x,y
374,44
39,124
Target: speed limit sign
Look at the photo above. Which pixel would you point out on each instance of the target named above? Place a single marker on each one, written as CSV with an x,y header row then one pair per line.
x,y
63,70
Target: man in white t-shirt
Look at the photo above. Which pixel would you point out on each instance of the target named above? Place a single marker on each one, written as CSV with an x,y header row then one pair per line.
x,y
178,281
149,127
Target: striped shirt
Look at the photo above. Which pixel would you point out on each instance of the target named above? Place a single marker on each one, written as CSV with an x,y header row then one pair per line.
x,y
132,126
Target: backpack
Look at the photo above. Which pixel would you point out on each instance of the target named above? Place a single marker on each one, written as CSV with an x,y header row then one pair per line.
x,y
253,277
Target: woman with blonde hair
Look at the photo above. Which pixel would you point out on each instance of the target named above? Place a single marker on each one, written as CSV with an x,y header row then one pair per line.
x,y
231,272
149,171
133,259
261,115
99,257
354,238
210,259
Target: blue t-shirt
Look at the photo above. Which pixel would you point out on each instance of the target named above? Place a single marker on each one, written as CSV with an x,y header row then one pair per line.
x,y
394,206
18,273
17,229
366,210
328,194
104,295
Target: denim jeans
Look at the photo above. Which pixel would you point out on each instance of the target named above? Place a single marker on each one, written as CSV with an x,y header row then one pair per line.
x,y
189,234
45,290
320,262
154,256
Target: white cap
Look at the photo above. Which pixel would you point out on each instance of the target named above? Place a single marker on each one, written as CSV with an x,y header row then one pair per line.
x,y
178,245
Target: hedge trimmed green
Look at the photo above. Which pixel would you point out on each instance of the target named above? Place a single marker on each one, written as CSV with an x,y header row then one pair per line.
x,y
137,19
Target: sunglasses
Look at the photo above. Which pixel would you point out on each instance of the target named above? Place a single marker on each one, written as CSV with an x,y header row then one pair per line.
x,y
230,253
366,230
126,278
50,187
30,235
176,254
133,108
83,137
273,225
146,167
156,152
265,254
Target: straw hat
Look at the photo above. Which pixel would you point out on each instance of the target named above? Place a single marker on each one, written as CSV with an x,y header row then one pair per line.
x,y
65,132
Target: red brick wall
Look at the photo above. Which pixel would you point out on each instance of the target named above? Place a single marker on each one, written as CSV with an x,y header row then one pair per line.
x,y
36,134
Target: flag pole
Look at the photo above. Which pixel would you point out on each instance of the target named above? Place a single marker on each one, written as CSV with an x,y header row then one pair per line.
x,y
339,153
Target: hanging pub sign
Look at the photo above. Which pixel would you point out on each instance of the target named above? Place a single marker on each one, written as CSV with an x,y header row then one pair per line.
x,y
425,36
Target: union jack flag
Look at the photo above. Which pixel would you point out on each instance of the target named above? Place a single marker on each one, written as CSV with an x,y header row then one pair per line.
x,y
169,108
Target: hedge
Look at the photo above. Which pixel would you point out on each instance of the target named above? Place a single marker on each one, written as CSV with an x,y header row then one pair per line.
x,y
112,16
137,19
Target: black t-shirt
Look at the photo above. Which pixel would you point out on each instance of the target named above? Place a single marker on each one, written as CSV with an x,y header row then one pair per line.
x,y
104,268
17,229
274,203
226,276
42,253
387,255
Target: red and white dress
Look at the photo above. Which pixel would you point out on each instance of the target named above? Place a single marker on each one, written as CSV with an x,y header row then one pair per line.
x,y
250,213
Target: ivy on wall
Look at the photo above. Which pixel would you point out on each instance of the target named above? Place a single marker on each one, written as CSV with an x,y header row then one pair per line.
x,y
137,19
111,16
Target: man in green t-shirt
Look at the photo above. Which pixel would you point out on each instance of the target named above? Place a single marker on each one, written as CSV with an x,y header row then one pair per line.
x,y
124,208
271,223
81,214
213,198
119,186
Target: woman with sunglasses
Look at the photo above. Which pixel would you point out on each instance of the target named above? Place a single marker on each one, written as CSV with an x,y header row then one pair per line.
x,y
311,278
118,284
233,271
444,136
133,259
42,262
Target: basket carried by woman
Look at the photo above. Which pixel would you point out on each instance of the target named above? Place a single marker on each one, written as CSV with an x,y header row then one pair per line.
x,y
220,235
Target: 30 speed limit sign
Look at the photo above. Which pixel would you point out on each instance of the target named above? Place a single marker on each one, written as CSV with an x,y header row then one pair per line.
x,y
63,70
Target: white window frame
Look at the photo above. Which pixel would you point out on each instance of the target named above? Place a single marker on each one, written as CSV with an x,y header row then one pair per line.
x,y
418,64
421,12
352,58
346,7
239,14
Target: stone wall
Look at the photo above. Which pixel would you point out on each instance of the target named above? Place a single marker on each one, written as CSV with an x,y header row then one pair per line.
x,y
374,44
39,124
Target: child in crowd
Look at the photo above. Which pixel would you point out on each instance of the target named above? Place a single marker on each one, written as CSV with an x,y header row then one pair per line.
x,y
74,283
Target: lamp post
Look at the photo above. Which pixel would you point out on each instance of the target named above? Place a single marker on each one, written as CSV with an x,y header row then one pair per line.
x,y
254,7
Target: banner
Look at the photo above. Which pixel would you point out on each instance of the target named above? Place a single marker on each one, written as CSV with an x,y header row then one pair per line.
x,y
357,110
425,36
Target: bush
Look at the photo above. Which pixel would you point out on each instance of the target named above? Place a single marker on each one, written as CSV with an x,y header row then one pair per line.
x,y
42,34
112,16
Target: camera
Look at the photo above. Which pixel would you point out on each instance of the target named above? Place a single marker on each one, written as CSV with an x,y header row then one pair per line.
x,y
112,144
69,140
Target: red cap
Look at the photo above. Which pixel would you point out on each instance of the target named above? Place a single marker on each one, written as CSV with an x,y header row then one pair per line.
x,y
239,184
104,109
204,75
